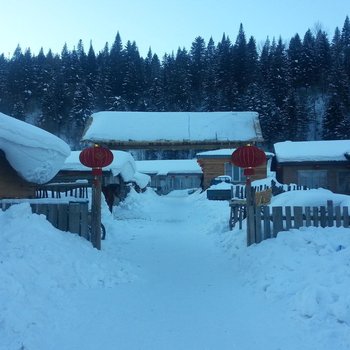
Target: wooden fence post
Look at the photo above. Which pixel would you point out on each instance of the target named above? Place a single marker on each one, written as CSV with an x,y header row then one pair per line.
x,y
96,212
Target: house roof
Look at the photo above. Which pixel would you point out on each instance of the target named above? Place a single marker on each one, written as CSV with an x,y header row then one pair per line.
x,y
131,129
35,154
223,153
312,151
164,167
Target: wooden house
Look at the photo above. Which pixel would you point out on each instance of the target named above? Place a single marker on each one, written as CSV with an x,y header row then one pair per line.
x,y
314,164
218,162
173,130
12,185
169,175
28,156
74,178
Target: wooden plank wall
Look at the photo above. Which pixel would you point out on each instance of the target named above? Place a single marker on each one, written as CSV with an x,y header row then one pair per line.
x,y
72,216
11,184
268,222
213,167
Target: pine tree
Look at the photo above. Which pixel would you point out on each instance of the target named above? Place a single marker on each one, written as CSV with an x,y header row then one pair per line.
x,y
322,60
210,78
104,95
240,69
117,69
335,125
153,94
308,60
133,82
345,42
227,87
197,73
4,95
294,57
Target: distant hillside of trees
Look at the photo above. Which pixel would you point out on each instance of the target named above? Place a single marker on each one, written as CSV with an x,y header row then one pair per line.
x,y
301,89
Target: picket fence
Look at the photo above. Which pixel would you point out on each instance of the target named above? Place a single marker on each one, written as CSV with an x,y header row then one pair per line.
x,y
265,222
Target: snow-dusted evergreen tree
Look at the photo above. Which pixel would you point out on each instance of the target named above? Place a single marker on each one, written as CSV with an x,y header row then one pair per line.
x,y
177,81
345,42
104,96
4,104
335,124
210,78
294,52
116,70
308,60
133,83
240,62
153,82
322,60
198,67
227,87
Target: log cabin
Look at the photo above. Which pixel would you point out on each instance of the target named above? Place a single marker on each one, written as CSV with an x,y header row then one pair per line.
x,y
218,162
314,164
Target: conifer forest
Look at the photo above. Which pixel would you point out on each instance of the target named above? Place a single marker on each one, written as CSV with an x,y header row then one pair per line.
x,y
299,87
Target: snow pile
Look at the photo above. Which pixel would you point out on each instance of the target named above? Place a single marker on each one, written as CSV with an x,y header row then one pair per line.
x,y
137,205
34,153
310,198
39,267
308,269
291,290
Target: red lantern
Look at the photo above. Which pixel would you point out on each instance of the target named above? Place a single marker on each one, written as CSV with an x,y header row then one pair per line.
x,y
96,158
248,157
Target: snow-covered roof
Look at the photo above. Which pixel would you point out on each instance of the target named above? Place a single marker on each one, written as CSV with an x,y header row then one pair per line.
x,y
311,151
34,153
164,167
126,127
224,153
123,164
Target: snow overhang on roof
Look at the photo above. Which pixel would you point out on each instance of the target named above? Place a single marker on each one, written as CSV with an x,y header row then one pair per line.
x,y
123,164
34,153
133,128
312,151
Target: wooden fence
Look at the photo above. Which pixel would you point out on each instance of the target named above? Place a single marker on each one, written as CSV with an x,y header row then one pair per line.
x,y
61,190
66,216
239,191
265,222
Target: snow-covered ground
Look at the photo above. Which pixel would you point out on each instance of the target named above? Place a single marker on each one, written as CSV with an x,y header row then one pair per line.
x,y
172,276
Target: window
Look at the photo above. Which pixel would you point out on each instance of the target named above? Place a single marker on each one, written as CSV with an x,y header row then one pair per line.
x,y
344,182
312,178
236,173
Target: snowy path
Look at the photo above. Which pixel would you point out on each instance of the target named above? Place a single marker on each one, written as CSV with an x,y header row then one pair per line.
x,y
186,295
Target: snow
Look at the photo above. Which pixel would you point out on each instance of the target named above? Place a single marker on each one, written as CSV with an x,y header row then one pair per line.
x,y
123,164
171,275
311,151
34,153
164,167
173,126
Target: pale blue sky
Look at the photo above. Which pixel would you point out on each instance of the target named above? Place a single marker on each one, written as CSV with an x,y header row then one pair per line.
x,y
162,25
